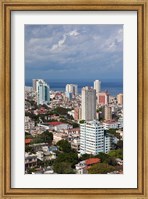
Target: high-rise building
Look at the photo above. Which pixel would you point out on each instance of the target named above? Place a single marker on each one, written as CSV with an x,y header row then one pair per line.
x,y
68,95
120,99
107,113
103,98
97,86
42,91
88,103
34,84
72,88
91,137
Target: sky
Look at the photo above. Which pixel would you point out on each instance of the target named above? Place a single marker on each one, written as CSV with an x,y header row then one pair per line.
x,y
78,52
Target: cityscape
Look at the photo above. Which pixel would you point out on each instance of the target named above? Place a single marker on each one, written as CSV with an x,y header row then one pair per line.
x,y
73,127
71,133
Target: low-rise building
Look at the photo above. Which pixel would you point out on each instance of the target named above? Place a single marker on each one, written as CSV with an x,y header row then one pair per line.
x,y
30,160
38,146
83,166
59,126
110,124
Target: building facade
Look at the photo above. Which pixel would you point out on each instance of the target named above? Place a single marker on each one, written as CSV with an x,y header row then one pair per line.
x,y
42,91
72,88
88,103
91,137
103,98
97,86
107,112
120,99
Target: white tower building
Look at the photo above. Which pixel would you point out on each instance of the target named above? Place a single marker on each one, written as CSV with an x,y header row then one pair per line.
x,y
88,104
91,137
72,88
97,86
42,91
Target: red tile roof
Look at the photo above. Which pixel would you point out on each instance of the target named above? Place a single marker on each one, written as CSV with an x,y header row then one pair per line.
x,y
27,141
91,161
55,123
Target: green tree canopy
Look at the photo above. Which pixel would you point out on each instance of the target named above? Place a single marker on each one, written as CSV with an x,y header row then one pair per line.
x,y
46,137
63,168
68,157
64,146
116,153
103,156
28,136
82,121
86,156
101,168
119,144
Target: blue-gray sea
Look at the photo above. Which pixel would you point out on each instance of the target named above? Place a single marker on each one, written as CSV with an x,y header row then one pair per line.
x,y
113,87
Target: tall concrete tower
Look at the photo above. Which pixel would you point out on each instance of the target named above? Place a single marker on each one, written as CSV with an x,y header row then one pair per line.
x,y
97,86
88,103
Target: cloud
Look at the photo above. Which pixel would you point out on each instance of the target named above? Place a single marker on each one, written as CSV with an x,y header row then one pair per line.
x,y
74,33
57,48
59,44
63,40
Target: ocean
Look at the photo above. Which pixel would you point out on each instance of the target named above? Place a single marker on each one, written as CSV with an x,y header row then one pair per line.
x,y
113,87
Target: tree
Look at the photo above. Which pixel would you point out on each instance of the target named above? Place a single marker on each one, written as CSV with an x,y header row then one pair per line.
x,y
30,170
63,168
61,111
46,137
103,156
64,146
28,136
82,121
116,153
85,156
71,157
29,149
75,125
101,168
112,161
119,144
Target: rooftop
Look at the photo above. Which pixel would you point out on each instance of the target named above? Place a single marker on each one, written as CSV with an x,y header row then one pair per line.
x,y
55,123
27,141
91,161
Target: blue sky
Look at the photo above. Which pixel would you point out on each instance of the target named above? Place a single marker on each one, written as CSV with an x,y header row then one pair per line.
x,y
57,52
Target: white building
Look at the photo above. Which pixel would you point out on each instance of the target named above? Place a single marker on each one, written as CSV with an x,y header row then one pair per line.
x,y
30,160
42,91
88,103
120,122
97,86
72,88
91,137
80,167
29,123
59,126
110,125
107,143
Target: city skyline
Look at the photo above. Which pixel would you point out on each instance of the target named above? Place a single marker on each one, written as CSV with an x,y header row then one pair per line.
x,y
59,51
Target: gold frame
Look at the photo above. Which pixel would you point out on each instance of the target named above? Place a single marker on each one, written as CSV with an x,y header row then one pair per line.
x,y
6,6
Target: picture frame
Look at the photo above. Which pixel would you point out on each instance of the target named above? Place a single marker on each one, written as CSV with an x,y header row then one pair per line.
x,y
5,98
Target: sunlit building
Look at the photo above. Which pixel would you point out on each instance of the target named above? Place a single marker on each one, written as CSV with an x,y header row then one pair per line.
x,y
88,103
120,99
42,91
91,137
97,86
72,88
